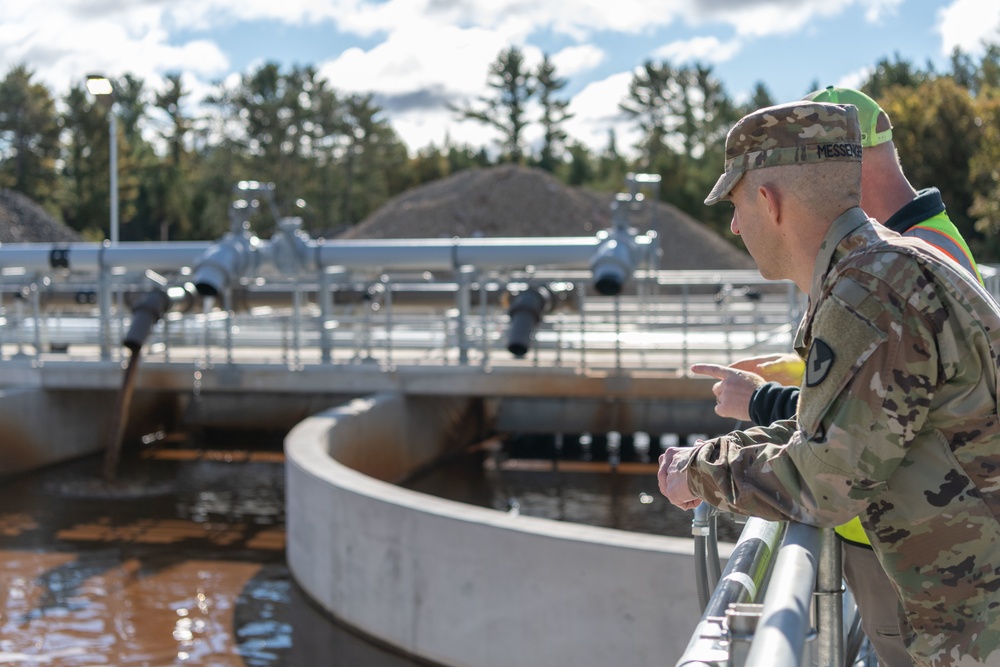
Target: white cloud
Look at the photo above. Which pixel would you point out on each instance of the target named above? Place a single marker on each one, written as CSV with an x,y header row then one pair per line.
x,y
853,79
432,52
575,59
877,10
451,60
700,49
595,113
780,18
966,24
416,72
62,47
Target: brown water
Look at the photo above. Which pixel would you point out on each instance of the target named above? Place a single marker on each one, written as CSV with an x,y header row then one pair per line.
x,y
529,478
180,562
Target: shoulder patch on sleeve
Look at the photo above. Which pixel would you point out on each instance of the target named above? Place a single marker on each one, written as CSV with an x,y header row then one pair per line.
x,y
851,292
818,362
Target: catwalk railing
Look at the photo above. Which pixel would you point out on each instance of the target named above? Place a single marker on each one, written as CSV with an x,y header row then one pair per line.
x,y
780,601
663,322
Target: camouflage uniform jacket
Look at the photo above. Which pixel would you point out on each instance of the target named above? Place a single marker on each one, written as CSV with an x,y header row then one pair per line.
x,y
898,424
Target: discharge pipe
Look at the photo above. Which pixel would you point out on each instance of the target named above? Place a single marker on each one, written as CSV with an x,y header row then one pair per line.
x,y
615,259
150,309
526,310
225,262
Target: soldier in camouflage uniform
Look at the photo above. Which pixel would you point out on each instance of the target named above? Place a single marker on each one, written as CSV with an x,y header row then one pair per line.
x,y
897,418
744,393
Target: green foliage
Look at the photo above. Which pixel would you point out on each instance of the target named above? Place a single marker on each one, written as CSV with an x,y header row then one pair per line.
x,y
86,157
683,115
29,136
761,98
935,133
984,171
554,114
506,111
888,74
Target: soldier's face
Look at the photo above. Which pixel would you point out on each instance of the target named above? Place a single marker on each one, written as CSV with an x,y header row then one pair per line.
x,y
752,222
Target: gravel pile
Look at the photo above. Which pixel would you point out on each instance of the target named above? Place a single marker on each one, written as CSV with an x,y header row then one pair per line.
x,y
510,201
24,221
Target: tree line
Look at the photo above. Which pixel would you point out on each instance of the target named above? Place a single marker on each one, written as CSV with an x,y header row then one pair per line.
x,y
337,151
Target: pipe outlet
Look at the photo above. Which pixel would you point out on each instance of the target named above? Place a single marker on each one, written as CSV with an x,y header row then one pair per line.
x,y
525,312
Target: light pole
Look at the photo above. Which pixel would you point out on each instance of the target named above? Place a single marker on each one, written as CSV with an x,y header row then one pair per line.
x,y
101,88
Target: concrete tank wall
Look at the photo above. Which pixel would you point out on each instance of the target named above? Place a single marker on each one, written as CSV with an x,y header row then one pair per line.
x,y
39,427
467,586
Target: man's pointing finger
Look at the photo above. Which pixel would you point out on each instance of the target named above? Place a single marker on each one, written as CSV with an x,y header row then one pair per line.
x,y
713,370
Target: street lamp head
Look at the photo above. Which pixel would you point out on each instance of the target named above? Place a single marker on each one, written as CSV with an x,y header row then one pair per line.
x,y
99,85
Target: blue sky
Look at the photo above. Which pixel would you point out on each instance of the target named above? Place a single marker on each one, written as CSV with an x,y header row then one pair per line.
x,y
417,56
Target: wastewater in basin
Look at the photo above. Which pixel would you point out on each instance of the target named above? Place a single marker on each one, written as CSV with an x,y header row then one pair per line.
x,y
180,559
606,480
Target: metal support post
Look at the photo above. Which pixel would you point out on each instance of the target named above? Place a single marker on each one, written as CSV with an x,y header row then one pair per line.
x,y
484,321
325,312
618,333
104,300
296,323
36,313
227,303
387,304
685,333
465,274
830,601
581,290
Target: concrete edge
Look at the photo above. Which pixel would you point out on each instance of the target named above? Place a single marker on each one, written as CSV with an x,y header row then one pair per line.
x,y
468,586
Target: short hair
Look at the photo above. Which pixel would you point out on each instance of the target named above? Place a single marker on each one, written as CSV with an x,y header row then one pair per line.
x,y
817,185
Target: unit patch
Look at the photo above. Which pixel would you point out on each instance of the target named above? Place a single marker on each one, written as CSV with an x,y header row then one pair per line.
x,y
818,362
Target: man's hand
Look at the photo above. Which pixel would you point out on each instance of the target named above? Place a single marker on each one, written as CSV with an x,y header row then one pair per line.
x,y
733,389
785,369
673,483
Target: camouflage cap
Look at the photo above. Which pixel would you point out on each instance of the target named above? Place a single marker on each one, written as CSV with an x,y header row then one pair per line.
x,y
869,112
793,133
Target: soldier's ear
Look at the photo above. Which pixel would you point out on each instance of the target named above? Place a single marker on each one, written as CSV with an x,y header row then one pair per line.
x,y
773,201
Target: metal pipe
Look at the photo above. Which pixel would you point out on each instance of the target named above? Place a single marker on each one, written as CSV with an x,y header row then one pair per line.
x,y
742,579
702,528
613,263
784,624
145,314
830,601
611,256
223,264
449,254
87,257
526,310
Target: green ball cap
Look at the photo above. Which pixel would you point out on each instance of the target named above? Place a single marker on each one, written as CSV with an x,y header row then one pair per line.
x,y
868,112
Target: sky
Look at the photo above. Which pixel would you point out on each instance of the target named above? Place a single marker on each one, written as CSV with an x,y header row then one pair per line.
x,y
418,56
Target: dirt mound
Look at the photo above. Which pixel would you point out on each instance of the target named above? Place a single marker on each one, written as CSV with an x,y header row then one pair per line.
x,y
24,221
510,201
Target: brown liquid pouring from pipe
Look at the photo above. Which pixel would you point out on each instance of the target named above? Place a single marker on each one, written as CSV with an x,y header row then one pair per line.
x,y
145,314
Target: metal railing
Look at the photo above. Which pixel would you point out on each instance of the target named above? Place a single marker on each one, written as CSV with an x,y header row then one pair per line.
x,y
780,602
666,321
